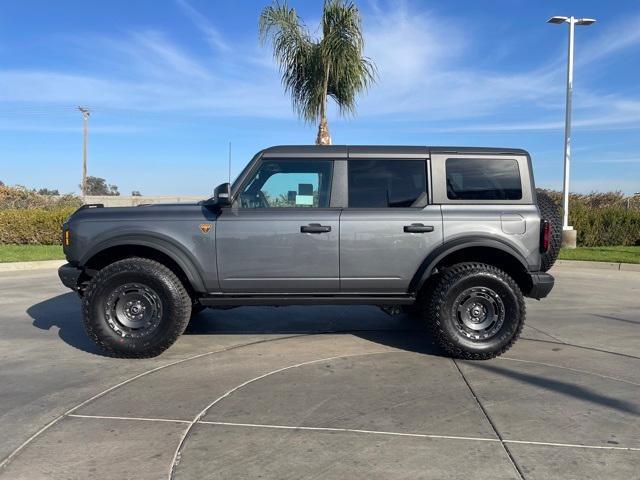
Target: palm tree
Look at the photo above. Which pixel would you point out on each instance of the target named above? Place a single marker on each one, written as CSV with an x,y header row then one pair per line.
x,y
314,69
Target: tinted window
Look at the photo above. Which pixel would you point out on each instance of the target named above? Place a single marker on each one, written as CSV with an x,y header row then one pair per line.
x,y
483,179
387,183
288,183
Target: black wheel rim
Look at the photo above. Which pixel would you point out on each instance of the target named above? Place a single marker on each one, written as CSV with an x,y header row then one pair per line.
x,y
133,310
479,313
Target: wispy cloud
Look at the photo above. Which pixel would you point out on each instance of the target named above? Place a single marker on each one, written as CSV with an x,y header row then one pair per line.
x,y
210,32
426,75
614,39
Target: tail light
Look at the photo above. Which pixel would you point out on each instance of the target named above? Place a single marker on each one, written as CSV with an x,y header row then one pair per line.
x,y
545,235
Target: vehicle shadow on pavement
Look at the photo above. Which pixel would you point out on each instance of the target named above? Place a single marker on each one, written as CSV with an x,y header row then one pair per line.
x,y
366,322
565,388
63,312
369,323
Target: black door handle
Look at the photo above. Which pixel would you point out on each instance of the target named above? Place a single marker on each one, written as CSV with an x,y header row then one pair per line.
x,y
315,228
418,228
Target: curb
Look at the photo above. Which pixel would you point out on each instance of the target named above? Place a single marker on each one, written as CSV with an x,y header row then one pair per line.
x,y
633,267
25,266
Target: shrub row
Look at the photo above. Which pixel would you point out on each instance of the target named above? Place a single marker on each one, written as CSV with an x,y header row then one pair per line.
x,y
603,219
33,225
20,197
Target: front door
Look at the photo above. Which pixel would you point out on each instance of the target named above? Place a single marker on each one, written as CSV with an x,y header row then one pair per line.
x,y
389,227
280,235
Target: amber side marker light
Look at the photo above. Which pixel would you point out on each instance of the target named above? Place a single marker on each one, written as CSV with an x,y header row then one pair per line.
x,y
66,240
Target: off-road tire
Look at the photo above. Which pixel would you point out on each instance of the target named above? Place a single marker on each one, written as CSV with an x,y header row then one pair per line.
x,y
175,309
442,317
550,212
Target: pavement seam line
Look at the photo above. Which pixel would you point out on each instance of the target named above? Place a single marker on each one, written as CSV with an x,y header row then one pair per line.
x,y
493,426
352,430
544,333
593,349
358,430
141,419
198,418
46,427
419,435
577,370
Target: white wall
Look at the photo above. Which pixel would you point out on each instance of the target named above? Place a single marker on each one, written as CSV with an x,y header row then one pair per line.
x,y
121,201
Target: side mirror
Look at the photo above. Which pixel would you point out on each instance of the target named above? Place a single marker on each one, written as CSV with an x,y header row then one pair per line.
x,y
222,195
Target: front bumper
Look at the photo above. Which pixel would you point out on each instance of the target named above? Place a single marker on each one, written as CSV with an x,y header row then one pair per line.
x,y
69,276
541,285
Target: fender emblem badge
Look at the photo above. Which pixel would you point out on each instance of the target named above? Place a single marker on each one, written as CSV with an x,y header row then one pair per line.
x,y
205,227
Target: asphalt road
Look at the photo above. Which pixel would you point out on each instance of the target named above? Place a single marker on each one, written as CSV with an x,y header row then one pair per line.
x,y
330,392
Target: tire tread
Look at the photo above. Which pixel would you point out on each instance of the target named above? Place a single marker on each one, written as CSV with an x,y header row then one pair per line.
x,y
437,296
147,266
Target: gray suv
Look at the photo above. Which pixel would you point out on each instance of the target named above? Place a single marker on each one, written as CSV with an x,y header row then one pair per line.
x,y
455,236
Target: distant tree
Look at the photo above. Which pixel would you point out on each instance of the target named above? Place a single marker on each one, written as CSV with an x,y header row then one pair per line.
x,y
46,191
136,193
98,186
1,183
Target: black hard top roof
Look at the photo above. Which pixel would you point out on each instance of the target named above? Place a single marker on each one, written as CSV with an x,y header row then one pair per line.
x,y
379,150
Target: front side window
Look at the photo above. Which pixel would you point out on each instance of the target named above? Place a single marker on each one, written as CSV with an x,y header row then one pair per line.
x,y
483,179
289,184
387,183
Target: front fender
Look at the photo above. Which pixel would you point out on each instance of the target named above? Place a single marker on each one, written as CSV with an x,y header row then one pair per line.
x,y
162,243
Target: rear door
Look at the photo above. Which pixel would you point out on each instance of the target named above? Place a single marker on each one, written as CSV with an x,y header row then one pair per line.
x,y
281,235
389,226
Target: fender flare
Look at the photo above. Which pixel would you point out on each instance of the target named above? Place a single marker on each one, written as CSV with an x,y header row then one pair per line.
x,y
428,264
157,242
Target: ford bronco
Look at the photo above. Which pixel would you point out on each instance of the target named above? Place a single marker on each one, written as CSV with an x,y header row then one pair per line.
x,y
455,236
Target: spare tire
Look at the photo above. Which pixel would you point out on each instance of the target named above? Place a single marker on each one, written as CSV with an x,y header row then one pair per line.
x,y
550,212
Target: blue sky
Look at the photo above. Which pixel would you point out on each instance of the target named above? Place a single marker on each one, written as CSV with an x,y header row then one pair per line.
x,y
171,82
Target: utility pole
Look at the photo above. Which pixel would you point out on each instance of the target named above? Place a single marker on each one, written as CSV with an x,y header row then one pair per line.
x,y
85,134
569,235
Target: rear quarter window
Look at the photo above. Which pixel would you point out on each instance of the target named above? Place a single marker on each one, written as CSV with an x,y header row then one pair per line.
x,y
483,179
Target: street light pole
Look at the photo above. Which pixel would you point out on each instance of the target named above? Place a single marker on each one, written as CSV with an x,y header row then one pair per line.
x,y
567,129
85,140
568,233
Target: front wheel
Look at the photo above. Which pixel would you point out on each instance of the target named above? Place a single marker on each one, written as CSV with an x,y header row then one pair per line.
x,y
135,308
476,311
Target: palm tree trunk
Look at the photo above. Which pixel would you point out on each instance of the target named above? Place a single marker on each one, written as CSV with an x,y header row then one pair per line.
x,y
323,137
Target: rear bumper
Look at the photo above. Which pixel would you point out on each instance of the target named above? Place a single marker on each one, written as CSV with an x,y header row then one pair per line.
x,y
541,285
69,276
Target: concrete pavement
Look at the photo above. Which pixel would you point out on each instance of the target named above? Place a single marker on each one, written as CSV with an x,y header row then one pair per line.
x,y
324,392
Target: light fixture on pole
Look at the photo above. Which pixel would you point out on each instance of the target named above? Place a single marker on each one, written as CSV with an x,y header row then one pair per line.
x,y
568,233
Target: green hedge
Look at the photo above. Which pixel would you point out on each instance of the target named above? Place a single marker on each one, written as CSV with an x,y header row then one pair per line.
x,y
603,219
33,225
607,226
21,197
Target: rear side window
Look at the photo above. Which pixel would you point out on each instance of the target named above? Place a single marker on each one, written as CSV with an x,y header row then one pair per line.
x,y
483,179
387,183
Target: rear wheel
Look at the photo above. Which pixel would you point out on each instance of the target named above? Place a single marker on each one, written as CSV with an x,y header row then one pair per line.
x,y
476,311
135,308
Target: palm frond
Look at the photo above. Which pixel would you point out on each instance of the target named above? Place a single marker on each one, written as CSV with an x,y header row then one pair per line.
x,y
312,70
